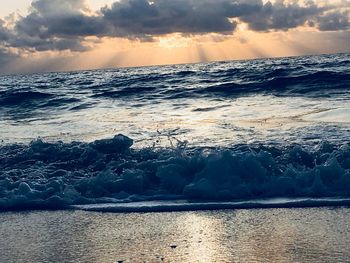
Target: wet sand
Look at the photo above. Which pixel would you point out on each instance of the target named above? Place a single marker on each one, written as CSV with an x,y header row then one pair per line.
x,y
256,235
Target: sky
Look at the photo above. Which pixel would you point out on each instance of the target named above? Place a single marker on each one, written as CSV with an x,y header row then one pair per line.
x,y
62,35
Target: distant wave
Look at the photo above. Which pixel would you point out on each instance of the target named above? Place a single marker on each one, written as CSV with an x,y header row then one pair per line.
x,y
312,84
300,76
10,98
57,175
278,82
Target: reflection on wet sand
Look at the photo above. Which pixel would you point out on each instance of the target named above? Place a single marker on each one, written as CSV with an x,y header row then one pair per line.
x,y
271,235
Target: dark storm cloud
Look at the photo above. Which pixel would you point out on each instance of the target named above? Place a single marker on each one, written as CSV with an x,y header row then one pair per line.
x,y
131,18
59,18
139,17
334,21
55,25
65,24
51,43
282,16
4,32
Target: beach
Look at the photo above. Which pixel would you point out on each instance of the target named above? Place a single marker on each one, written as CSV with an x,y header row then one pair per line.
x,y
247,235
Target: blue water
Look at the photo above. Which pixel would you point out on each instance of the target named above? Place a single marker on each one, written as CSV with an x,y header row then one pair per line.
x,y
223,131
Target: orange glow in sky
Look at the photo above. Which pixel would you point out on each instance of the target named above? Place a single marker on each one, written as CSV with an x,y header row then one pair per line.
x,y
174,48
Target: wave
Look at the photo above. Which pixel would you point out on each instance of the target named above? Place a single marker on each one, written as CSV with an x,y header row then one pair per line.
x,y
232,83
312,84
314,76
58,175
183,205
10,98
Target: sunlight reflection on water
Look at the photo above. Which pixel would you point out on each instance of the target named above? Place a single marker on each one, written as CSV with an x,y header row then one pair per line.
x,y
259,118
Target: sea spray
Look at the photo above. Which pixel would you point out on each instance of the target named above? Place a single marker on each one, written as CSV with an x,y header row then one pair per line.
x,y
55,175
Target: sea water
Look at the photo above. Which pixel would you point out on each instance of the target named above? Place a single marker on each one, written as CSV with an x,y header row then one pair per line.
x,y
214,132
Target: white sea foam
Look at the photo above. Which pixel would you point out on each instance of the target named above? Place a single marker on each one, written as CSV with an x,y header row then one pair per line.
x,y
183,205
56,175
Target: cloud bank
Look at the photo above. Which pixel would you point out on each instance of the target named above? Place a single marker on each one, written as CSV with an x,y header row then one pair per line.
x,y
58,25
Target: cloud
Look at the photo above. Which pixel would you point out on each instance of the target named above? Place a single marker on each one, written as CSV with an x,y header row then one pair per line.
x,y
4,32
33,44
55,25
59,18
282,15
142,18
58,25
334,21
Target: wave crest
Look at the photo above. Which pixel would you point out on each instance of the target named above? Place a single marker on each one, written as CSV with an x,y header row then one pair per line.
x,y
55,175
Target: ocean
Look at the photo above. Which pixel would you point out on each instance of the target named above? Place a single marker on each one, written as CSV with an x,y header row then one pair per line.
x,y
220,135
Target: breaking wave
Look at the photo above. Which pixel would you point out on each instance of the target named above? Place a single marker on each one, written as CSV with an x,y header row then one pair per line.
x,y
58,175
